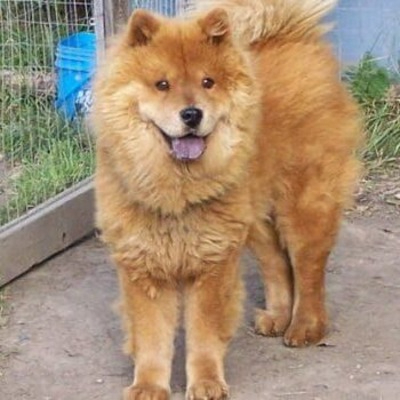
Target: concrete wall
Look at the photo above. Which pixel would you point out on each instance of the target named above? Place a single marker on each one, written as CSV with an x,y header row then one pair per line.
x,y
367,25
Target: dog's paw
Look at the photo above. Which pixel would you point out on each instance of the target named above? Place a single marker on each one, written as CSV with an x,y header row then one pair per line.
x,y
271,324
208,389
145,392
305,332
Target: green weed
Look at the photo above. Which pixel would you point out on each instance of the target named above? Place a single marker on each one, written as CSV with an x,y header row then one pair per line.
x,y
63,164
377,91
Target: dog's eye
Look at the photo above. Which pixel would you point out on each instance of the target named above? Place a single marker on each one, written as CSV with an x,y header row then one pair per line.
x,y
162,85
207,83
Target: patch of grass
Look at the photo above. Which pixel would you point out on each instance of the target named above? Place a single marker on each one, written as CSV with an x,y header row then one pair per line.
x,y
31,125
382,122
368,80
62,165
48,153
377,90
29,32
17,45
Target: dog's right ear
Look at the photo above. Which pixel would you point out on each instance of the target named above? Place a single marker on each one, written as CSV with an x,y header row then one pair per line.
x,y
142,26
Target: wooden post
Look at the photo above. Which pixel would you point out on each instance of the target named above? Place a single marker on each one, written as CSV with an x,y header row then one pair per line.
x,y
98,15
110,16
116,14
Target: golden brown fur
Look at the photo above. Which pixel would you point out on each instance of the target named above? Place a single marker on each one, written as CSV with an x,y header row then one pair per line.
x,y
278,168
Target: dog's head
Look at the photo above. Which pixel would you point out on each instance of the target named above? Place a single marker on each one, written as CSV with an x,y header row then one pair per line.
x,y
185,84
177,94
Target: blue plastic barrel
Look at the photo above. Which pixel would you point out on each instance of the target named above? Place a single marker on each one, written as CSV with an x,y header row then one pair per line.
x,y
75,65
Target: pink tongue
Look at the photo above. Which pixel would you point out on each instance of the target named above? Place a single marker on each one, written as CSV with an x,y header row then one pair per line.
x,y
188,147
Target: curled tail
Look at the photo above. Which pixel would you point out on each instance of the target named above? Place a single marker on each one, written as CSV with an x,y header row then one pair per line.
x,y
259,20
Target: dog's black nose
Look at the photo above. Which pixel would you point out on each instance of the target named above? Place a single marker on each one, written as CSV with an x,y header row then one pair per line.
x,y
191,116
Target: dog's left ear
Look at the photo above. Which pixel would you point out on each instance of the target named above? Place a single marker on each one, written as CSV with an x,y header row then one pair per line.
x,y
215,25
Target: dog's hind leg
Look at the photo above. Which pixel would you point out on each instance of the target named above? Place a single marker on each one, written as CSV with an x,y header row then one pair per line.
x,y
309,230
149,311
212,309
277,277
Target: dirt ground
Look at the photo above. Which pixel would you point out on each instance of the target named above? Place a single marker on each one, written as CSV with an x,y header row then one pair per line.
x,y
62,340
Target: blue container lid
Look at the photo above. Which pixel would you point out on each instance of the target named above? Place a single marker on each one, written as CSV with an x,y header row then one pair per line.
x,y
76,65
82,43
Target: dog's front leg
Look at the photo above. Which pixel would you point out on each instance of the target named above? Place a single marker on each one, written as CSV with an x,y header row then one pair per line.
x,y
212,307
149,311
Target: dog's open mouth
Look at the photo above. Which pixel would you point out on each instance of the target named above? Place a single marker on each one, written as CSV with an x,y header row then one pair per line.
x,y
186,148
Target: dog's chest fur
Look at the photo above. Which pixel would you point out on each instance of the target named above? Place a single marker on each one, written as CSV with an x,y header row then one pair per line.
x,y
181,247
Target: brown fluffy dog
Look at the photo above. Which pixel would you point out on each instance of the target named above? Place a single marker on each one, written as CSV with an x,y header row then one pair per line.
x,y
225,129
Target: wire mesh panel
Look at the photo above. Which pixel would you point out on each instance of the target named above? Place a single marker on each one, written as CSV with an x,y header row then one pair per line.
x,y
44,146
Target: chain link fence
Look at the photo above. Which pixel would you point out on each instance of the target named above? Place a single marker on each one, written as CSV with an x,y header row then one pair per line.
x,y
43,149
